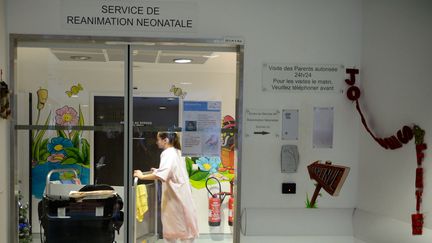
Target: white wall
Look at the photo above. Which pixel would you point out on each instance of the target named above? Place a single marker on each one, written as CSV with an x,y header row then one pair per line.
x,y
294,31
4,137
376,228
358,241
396,83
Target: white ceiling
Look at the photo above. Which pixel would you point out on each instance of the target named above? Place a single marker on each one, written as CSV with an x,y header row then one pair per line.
x,y
144,59
139,55
215,79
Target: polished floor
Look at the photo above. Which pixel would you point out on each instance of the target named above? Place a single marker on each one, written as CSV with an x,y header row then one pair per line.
x,y
208,239
203,239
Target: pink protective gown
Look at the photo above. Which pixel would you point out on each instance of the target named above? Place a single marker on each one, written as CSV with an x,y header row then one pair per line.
x,y
179,216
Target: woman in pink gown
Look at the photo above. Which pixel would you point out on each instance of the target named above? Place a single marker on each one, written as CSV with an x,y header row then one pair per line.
x,y
178,213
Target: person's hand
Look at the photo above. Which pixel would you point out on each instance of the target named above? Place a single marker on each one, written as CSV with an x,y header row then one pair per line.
x,y
138,173
152,169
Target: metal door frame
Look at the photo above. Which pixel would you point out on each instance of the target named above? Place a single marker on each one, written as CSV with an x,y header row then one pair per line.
x,y
129,43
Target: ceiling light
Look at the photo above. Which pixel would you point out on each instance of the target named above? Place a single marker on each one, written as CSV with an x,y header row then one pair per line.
x,y
80,58
130,43
74,96
186,83
162,107
182,60
117,42
211,56
170,44
144,43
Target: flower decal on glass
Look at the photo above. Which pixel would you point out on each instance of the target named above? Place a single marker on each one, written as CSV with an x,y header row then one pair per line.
x,y
58,144
69,148
210,164
54,158
66,116
201,168
42,95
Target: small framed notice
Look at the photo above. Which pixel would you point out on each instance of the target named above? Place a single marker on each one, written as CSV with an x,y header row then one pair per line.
x,y
323,127
290,123
262,123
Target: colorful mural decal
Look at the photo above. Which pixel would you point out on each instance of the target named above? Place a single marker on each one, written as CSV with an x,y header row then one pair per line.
x,y
74,90
178,92
202,168
228,144
5,110
221,168
65,148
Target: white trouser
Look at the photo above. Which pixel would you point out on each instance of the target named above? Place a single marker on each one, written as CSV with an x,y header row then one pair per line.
x,y
181,241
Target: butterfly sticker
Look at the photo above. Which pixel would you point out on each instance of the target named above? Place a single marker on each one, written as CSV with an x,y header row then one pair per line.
x,y
178,91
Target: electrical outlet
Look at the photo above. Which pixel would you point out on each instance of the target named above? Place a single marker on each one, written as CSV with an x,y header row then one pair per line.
x,y
288,188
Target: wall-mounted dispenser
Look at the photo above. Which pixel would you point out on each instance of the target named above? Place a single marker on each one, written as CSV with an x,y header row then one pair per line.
x,y
289,158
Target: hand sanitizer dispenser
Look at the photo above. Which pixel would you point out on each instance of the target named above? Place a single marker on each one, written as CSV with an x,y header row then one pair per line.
x,y
289,158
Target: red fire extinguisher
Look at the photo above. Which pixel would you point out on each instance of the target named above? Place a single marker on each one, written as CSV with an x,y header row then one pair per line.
x,y
215,203
231,204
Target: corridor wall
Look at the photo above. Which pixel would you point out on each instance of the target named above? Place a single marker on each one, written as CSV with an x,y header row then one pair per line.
x,y
294,31
396,84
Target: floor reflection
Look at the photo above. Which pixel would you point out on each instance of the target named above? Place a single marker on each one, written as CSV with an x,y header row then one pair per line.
x,y
204,238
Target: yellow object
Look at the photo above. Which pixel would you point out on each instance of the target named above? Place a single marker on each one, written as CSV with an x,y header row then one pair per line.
x,y
74,90
144,241
141,202
42,98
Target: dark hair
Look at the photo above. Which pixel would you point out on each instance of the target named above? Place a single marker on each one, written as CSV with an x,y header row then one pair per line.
x,y
173,139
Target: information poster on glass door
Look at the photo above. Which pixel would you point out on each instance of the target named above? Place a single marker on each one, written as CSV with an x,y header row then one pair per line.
x,y
201,128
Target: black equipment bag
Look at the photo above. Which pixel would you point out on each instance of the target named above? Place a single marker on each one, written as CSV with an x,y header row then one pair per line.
x,y
80,223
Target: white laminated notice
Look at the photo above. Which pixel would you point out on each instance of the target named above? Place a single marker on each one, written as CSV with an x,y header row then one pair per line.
x,y
261,123
323,127
61,212
202,128
302,78
290,124
99,211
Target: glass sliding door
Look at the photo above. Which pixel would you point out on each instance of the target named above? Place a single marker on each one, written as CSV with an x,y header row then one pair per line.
x,y
153,111
68,136
165,76
87,114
